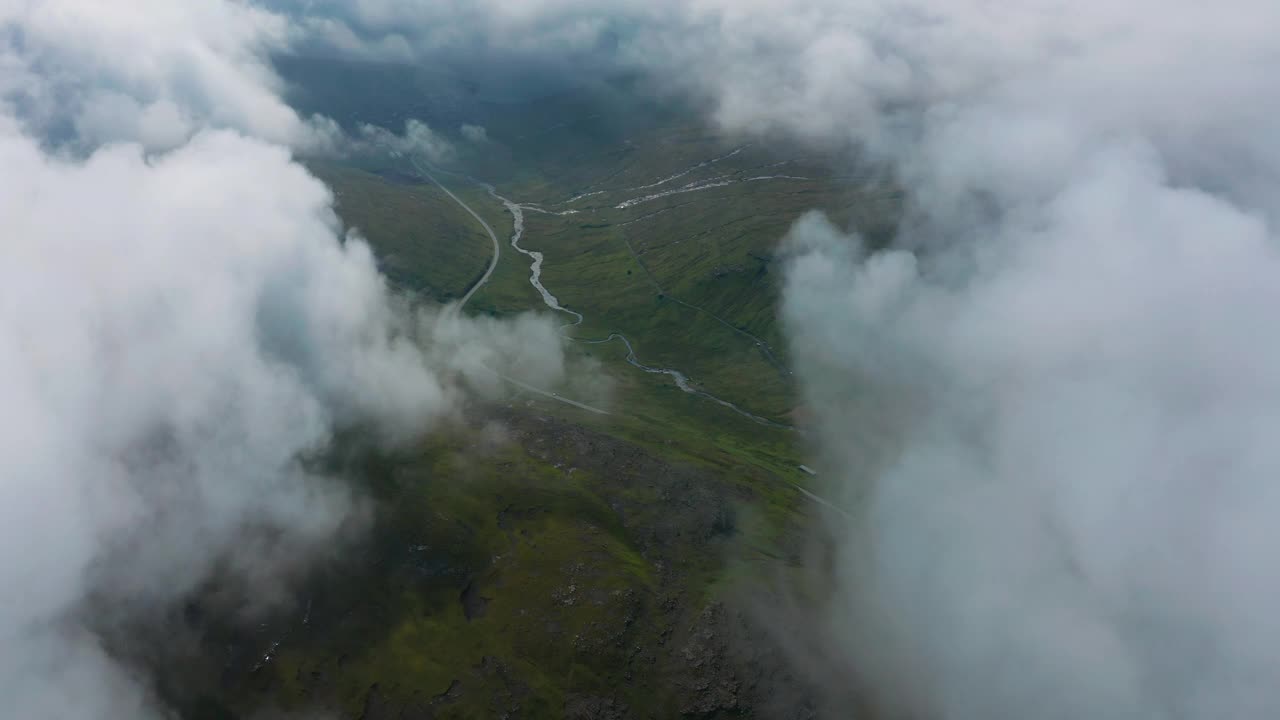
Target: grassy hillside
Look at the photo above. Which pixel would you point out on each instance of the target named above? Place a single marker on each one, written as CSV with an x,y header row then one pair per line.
x,y
424,242
690,277
524,566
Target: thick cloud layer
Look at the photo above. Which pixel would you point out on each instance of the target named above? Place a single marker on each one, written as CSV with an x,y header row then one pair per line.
x,y
84,72
171,345
1053,424
183,328
1062,464
406,30
418,140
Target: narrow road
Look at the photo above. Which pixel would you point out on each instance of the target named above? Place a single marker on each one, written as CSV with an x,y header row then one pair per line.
x,y
553,396
497,247
822,501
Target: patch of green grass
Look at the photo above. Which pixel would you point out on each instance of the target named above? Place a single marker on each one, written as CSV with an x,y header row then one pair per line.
x,y
424,242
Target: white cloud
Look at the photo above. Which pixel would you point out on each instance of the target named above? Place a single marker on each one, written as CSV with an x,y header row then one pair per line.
x,y
156,72
475,134
418,139
1052,422
404,29
181,324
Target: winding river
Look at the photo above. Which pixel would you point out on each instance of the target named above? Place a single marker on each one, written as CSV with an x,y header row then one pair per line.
x,y
537,259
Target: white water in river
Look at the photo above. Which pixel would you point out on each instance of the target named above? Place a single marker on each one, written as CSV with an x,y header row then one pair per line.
x,y
681,174
701,185
535,267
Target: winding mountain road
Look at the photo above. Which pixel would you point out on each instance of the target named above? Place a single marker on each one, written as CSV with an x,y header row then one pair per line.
x,y
497,246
